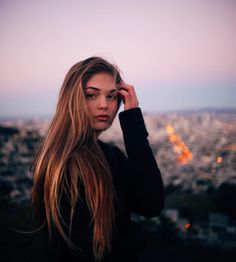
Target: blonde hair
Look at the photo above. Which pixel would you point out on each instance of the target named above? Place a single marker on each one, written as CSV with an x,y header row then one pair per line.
x,y
70,154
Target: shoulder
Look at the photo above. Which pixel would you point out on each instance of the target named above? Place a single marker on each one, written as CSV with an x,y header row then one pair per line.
x,y
132,124
111,151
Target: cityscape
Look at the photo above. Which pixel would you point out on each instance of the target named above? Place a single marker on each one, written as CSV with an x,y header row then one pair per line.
x,y
196,153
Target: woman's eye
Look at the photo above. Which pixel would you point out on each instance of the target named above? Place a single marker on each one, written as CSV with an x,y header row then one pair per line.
x,y
90,96
112,97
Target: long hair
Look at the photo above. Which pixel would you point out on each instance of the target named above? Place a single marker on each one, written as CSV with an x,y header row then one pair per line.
x,y
70,154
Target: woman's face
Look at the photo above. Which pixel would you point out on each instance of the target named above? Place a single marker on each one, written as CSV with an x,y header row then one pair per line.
x,y
101,100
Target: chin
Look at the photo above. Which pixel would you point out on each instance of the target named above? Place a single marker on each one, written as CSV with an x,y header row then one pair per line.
x,y
101,126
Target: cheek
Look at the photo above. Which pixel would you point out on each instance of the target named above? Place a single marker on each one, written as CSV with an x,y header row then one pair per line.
x,y
114,107
90,106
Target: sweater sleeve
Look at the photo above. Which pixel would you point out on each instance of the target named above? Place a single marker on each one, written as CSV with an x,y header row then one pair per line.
x,y
145,185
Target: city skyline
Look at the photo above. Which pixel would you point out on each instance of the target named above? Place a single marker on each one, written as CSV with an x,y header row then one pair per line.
x,y
179,55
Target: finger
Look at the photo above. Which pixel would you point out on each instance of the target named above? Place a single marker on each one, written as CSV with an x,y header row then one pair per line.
x,y
125,86
132,92
130,89
125,94
129,95
125,97
129,101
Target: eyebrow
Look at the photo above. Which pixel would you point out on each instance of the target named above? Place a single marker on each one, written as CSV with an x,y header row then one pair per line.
x,y
92,87
97,89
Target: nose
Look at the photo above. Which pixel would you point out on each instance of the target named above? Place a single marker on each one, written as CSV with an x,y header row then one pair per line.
x,y
102,103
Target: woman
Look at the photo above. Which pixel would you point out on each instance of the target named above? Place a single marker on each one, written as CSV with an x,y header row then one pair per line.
x,y
85,190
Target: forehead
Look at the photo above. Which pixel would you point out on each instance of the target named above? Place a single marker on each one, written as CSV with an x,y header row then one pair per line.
x,y
102,81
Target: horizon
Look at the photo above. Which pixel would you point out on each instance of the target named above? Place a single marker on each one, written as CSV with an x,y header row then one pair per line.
x,y
228,110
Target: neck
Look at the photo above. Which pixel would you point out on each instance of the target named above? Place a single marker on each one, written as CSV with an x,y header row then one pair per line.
x,y
98,133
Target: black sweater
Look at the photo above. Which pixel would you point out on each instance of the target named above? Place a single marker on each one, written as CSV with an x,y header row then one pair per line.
x,y
138,187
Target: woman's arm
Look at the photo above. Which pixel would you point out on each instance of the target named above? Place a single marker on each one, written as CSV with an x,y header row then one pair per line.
x,y
145,182
145,185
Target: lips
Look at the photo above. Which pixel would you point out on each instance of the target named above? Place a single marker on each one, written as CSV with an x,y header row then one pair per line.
x,y
103,118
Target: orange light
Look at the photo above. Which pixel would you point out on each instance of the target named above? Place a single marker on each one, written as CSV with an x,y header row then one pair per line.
x,y
219,159
231,147
187,226
185,154
169,129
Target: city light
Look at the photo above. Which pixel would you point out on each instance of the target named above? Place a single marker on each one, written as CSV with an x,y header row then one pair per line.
x,y
219,159
231,147
187,226
185,154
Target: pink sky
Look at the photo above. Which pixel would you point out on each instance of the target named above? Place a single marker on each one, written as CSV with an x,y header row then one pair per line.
x,y
155,44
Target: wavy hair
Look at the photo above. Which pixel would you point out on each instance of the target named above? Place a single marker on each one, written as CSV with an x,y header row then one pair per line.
x,y
70,154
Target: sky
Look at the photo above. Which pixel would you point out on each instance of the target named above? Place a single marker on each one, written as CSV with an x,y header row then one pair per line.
x,y
179,54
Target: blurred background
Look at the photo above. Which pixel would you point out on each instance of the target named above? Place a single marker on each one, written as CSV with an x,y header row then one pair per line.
x,y
181,57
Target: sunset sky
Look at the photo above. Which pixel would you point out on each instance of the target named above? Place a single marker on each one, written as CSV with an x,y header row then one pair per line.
x,y
179,54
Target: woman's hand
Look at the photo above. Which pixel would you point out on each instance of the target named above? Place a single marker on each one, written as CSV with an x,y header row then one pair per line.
x,y
128,95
